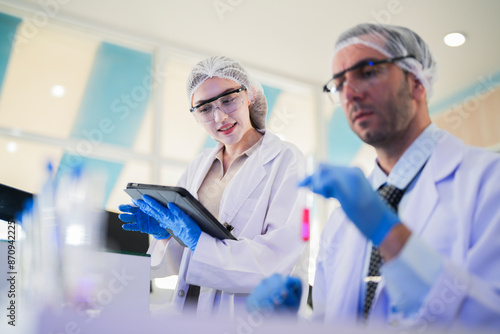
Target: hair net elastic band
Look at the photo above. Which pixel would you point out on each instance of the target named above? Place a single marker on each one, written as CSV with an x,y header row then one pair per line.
x,y
357,40
210,76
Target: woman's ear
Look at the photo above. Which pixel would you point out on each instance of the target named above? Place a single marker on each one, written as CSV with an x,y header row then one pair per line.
x,y
248,99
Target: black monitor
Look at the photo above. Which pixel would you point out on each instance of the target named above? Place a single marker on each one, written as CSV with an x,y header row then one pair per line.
x,y
117,239
12,201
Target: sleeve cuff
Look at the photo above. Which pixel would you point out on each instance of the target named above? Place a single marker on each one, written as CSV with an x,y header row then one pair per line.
x,y
410,276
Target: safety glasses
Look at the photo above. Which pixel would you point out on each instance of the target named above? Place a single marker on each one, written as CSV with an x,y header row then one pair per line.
x,y
362,75
227,102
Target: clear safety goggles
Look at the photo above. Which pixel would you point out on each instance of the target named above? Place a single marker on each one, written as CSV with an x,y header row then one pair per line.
x,y
361,76
227,102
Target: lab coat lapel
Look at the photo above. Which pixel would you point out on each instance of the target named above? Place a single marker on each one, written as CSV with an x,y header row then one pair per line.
x,y
248,177
422,201
238,191
424,196
204,168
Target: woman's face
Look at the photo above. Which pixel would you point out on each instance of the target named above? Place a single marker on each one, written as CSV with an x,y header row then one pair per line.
x,y
228,129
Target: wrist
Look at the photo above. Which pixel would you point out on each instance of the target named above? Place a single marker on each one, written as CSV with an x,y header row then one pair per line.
x,y
196,238
386,223
394,242
162,236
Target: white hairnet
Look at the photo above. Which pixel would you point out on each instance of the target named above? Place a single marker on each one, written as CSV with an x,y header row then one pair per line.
x,y
226,68
395,41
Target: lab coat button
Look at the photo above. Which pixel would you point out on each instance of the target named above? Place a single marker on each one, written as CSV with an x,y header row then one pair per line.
x,y
228,226
181,293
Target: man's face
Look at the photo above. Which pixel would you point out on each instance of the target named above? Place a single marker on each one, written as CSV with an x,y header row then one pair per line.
x,y
379,111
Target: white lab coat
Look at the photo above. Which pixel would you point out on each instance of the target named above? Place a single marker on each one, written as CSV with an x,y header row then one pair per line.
x,y
261,202
454,208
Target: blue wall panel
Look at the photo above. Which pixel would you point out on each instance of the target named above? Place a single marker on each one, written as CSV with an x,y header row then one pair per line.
x,y
8,28
112,109
343,144
116,96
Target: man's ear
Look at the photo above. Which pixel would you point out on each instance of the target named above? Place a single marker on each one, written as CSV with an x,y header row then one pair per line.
x,y
418,90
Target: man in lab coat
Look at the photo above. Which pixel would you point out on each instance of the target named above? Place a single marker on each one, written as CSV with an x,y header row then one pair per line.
x,y
440,244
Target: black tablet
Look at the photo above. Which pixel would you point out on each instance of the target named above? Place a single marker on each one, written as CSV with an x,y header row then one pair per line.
x,y
184,200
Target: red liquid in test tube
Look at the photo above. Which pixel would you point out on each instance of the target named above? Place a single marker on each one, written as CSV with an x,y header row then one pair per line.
x,y
305,224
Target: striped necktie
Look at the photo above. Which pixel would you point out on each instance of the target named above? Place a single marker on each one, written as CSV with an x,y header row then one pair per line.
x,y
392,196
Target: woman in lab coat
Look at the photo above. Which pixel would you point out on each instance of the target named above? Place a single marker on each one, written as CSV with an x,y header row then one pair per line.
x,y
248,181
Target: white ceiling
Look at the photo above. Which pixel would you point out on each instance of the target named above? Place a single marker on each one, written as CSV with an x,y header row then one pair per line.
x,y
295,38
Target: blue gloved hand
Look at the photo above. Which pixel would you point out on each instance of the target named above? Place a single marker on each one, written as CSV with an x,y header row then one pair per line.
x,y
277,293
139,221
172,218
360,202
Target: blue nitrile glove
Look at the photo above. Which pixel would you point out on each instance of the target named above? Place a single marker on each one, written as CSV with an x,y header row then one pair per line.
x,y
360,202
277,293
139,221
27,210
172,218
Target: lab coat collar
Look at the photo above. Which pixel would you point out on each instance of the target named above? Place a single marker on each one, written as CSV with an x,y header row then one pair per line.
x,y
209,154
411,162
449,154
269,147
